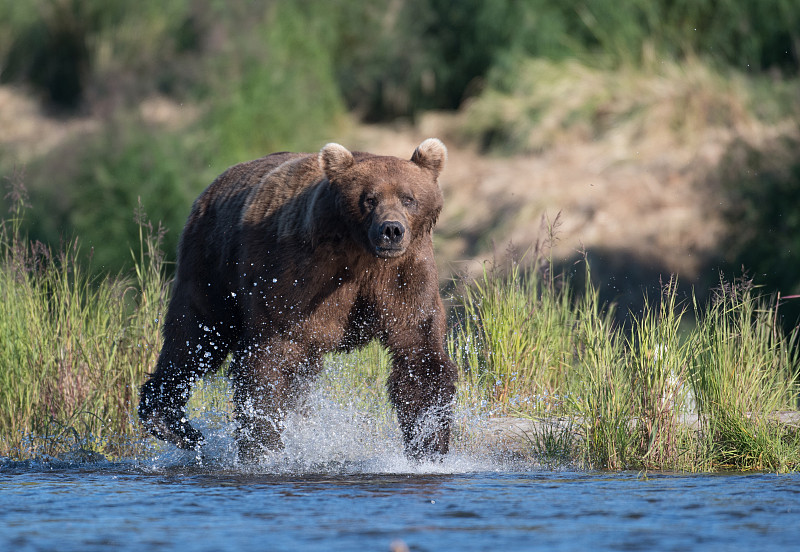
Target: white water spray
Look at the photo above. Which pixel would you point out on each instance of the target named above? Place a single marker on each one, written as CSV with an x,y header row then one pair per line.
x,y
329,436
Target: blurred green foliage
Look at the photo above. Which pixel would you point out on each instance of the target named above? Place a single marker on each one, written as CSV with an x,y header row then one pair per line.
x,y
278,92
92,189
72,51
260,77
388,57
282,74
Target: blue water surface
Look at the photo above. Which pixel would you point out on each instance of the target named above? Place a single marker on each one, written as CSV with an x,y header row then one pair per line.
x,y
131,506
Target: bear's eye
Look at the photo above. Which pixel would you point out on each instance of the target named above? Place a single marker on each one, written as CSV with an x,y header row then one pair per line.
x,y
370,201
408,202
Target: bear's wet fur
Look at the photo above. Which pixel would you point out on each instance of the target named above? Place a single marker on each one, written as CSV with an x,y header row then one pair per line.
x,y
294,255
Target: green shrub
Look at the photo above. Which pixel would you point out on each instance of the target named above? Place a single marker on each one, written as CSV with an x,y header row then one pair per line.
x,y
422,54
275,90
91,186
280,92
389,58
73,50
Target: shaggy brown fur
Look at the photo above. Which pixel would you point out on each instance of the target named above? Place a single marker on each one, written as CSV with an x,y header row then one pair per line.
x,y
294,255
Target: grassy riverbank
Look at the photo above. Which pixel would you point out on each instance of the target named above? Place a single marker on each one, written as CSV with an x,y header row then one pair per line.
x,y
529,345
74,349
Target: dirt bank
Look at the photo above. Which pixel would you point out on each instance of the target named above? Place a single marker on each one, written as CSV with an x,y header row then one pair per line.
x,y
637,214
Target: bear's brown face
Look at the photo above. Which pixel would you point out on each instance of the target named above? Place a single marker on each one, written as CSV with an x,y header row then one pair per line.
x,y
387,202
387,210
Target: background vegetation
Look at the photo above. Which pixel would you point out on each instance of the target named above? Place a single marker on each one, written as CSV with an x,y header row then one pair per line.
x,y
258,77
74,348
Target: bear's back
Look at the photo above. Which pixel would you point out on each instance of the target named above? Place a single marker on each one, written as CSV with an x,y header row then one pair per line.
x,y
238,182
212,229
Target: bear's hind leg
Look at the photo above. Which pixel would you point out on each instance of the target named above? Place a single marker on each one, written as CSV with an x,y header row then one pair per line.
x,y
191,350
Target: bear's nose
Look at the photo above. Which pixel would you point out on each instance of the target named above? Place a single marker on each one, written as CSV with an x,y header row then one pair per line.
x,y
392,231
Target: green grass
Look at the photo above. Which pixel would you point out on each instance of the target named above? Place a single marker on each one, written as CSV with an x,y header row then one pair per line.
x,y
743,371
73,348
515,338
650,395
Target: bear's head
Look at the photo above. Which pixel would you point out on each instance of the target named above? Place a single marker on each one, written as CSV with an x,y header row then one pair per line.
x,y
387,203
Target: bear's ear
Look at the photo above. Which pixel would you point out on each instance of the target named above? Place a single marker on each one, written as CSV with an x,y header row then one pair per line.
x,y
334,159
430,154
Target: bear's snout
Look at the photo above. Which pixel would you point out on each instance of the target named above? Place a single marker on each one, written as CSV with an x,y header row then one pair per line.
x,y
392,232
389,238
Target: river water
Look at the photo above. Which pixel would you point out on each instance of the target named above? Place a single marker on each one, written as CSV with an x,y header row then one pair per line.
x,y
343,484
456,505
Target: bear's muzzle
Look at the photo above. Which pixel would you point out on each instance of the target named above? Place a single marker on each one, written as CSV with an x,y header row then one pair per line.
x,y
389,239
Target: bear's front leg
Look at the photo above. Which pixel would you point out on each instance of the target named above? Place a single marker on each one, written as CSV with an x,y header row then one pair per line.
x,y
268,378
422,390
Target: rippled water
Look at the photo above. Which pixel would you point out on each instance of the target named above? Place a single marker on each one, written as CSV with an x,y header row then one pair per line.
x,y
343,484
129,506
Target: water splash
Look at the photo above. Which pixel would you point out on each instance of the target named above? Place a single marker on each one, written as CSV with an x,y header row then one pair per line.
x,y
329,437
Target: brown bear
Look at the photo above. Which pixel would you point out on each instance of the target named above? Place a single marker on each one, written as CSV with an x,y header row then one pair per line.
x,y
294,255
